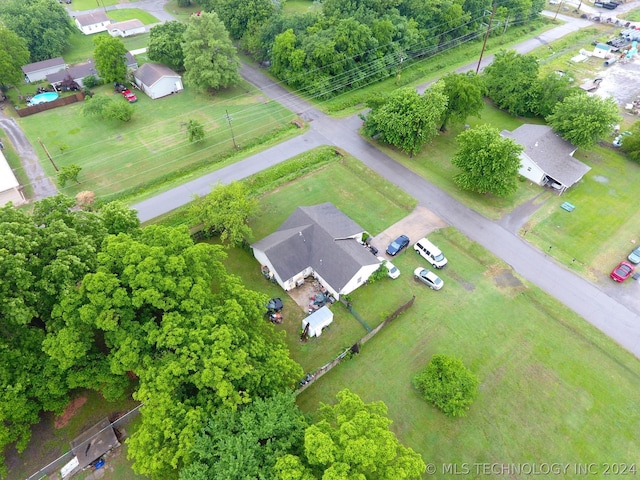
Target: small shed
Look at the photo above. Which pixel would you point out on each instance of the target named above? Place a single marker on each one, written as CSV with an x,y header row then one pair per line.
x,y
9,186
127,28
157,80
90,23
318,320
90,445
39,70
601,50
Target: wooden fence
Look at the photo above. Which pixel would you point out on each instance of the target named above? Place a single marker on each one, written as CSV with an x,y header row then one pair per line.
x,y
58,102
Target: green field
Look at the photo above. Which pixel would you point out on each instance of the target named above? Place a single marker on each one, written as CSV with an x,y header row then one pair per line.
x,y
153,147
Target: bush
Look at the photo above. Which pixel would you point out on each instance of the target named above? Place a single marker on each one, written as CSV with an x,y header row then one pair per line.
x,y
91,81
448,384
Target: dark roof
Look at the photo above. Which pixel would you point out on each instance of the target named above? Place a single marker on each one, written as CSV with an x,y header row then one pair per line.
x,y
92,18
150,73
130,60
81,70
550,152
44,64
93,443
320,237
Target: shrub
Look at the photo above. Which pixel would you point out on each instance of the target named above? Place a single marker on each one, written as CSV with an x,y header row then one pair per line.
x,y
91,81
448,384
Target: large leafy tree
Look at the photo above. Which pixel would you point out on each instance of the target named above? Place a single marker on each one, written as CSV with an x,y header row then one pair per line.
x,y
465,93
165,44
225,211
239,16
44,25
583,119
512,82
488,162
13,55
210,59
246,443
109,56
165,309
407,119
43,255
553,89
351,439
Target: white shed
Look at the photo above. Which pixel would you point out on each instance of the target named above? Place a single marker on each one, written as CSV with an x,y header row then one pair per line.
x,y
318,320
601,50
157,80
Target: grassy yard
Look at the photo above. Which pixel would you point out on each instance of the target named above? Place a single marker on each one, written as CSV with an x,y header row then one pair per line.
x,y
301,6
81,46
123,14
122,158
553,389
631,15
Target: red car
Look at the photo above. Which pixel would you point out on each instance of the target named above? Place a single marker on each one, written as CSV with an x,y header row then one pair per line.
x,y
129,95
622,271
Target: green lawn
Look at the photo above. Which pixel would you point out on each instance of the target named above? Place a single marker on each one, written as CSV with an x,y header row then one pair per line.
x,y
301,6
552,389
123,14
631,15
81,46
122,158
80,5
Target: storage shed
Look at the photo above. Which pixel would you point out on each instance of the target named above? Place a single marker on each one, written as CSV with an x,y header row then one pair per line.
x,y
318,320
127,28
157,80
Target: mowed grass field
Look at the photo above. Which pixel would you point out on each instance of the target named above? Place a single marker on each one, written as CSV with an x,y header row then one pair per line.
x,y
124,157
552,388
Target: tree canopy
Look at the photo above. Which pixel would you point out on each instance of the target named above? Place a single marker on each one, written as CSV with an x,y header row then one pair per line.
x,y
13,55
465,94
44,25
225,211
631,143
584,119
109,57
165,44
488,162
512,82
351,439
210,59
239,16
407,119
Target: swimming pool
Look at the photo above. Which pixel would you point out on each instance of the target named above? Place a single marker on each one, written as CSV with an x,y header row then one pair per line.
x,y
43,98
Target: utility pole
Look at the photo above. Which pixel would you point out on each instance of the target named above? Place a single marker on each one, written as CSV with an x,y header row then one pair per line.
x,y
231,128
399,69
558,9
48,156
484,44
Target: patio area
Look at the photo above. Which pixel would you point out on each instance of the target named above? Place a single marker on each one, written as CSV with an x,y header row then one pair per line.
x,y
303,294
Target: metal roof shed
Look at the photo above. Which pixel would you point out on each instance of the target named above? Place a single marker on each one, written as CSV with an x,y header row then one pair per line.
x,y
318,320
89,446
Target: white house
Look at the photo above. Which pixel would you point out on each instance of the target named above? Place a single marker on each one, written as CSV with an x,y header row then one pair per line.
x,y
9,186
126,29
157,80
318,241
39,70
90,23
547,159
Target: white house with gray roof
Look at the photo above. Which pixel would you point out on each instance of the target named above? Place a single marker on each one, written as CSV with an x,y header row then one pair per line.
x,y
34,72
318,241
157,80
547,159
91,23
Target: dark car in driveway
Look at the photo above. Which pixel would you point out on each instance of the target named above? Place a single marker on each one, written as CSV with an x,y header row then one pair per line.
x,y
622,271
397,245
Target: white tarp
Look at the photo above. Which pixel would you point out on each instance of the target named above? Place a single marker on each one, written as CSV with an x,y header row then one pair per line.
x,y
317,321
69,467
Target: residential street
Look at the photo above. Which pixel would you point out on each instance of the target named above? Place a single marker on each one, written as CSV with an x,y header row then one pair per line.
x,y
615,319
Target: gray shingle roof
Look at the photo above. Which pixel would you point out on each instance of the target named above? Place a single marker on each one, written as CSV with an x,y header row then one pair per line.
x,y
150,73
550,152
126,25
92,18
320,237
81,70
43,65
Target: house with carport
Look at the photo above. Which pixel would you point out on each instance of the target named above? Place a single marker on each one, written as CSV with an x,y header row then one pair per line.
x,y
317,241
77,73
34,72
157,80
91,23
547,158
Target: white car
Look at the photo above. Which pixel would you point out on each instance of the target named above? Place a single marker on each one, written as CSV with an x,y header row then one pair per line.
x,y
392,271
429,278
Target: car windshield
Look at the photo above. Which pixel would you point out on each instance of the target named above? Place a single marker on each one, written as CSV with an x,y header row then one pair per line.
x,y
395,245
392,269
439,258
437,280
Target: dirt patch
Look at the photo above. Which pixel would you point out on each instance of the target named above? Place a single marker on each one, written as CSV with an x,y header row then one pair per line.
x,y
416,225
468,286
70,411
506,279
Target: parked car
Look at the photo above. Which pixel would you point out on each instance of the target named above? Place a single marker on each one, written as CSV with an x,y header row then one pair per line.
x,y
430,253
634,257
622,271
392,271
129,95
429,278
397,245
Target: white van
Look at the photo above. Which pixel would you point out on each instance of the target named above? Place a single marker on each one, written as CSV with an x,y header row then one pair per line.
x,y
430,252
